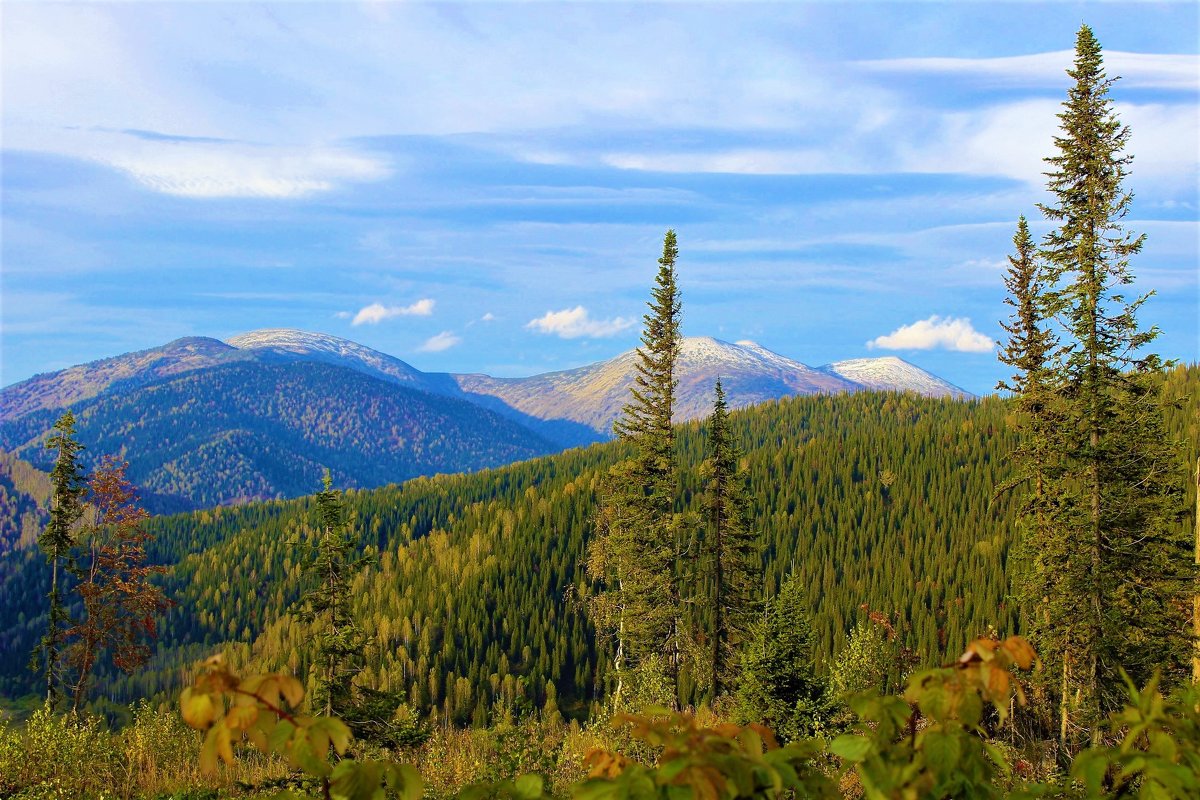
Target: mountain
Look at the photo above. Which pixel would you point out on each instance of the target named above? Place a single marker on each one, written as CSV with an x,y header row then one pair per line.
x,y
750,374
56,390
894,374
293,345
244,429
273,406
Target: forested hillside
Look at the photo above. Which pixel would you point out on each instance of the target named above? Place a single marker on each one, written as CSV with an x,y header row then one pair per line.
x,y
877,500
24,502
246,431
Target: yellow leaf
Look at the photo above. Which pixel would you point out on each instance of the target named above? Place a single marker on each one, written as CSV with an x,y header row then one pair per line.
x,y
1023,654
241,717
208,753
224,746
293,690
197,708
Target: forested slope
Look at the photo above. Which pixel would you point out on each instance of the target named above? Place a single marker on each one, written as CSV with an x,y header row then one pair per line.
x,y
245,431
882,500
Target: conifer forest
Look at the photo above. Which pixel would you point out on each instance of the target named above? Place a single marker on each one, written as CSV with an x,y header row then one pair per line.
x,y
864,595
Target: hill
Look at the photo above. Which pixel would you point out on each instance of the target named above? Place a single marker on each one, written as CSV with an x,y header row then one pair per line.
x,y
475,595
251,429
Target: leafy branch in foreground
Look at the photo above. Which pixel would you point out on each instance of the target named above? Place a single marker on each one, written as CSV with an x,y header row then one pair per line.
x,y
932,743
229,708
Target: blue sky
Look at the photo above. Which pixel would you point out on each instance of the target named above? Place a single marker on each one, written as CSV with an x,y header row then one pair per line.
x,y
484,187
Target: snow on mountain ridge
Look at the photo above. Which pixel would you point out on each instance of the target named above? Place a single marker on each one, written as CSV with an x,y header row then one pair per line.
x,y
329,348
890,373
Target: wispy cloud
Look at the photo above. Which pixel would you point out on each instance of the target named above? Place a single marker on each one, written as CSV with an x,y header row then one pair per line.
x,y
439,342
1142,70
378,312
206,170
573,323
943,333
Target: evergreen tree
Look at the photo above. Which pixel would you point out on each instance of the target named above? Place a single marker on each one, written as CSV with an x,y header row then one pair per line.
x,y
1124,569
331,563
58,539
1044,559
637,551
778,686
731,558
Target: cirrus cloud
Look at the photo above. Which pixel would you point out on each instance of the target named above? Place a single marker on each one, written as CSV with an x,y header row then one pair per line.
x,y
945,333
378,312
573,323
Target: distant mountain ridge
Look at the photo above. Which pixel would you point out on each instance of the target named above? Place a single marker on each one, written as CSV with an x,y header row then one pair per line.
x,y
594,394
271,407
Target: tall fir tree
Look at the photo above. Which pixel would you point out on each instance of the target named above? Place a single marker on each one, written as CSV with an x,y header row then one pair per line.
x,y
1045,561
1124,568
637,551
731,558
330,564
58,540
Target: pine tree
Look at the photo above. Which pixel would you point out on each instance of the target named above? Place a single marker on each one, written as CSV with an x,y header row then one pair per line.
x,y
58,539
637,550
731,558
331,563
1123,570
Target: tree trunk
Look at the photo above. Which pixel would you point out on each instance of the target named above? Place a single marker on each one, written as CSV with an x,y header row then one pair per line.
x,y
1196,596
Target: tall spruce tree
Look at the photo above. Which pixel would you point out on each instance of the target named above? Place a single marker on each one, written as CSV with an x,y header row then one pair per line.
x,y
1124,568
58,539
1045,561
731,556
330,563
637,550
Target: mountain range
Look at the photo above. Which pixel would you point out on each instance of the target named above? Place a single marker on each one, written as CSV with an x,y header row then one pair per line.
x,y
205,422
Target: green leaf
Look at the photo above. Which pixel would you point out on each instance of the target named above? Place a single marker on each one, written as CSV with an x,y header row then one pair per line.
x,y
357,780
595,789
942,752
970,709
280,735
851,747
1089,768
405,781
528,787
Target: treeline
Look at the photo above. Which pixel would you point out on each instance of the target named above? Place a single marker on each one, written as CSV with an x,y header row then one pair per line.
x,y
877,500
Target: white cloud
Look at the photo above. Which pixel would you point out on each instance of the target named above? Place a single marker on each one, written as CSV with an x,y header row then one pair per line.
x,y
439,342
204,170
948,333
378,312
1142,70
572,323
488,317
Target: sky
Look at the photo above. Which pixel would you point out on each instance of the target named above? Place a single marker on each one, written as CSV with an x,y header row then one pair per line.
x,y
485,187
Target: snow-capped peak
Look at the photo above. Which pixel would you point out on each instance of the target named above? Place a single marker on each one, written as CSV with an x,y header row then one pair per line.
x,y
890,373
295,341
324,347
698,350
